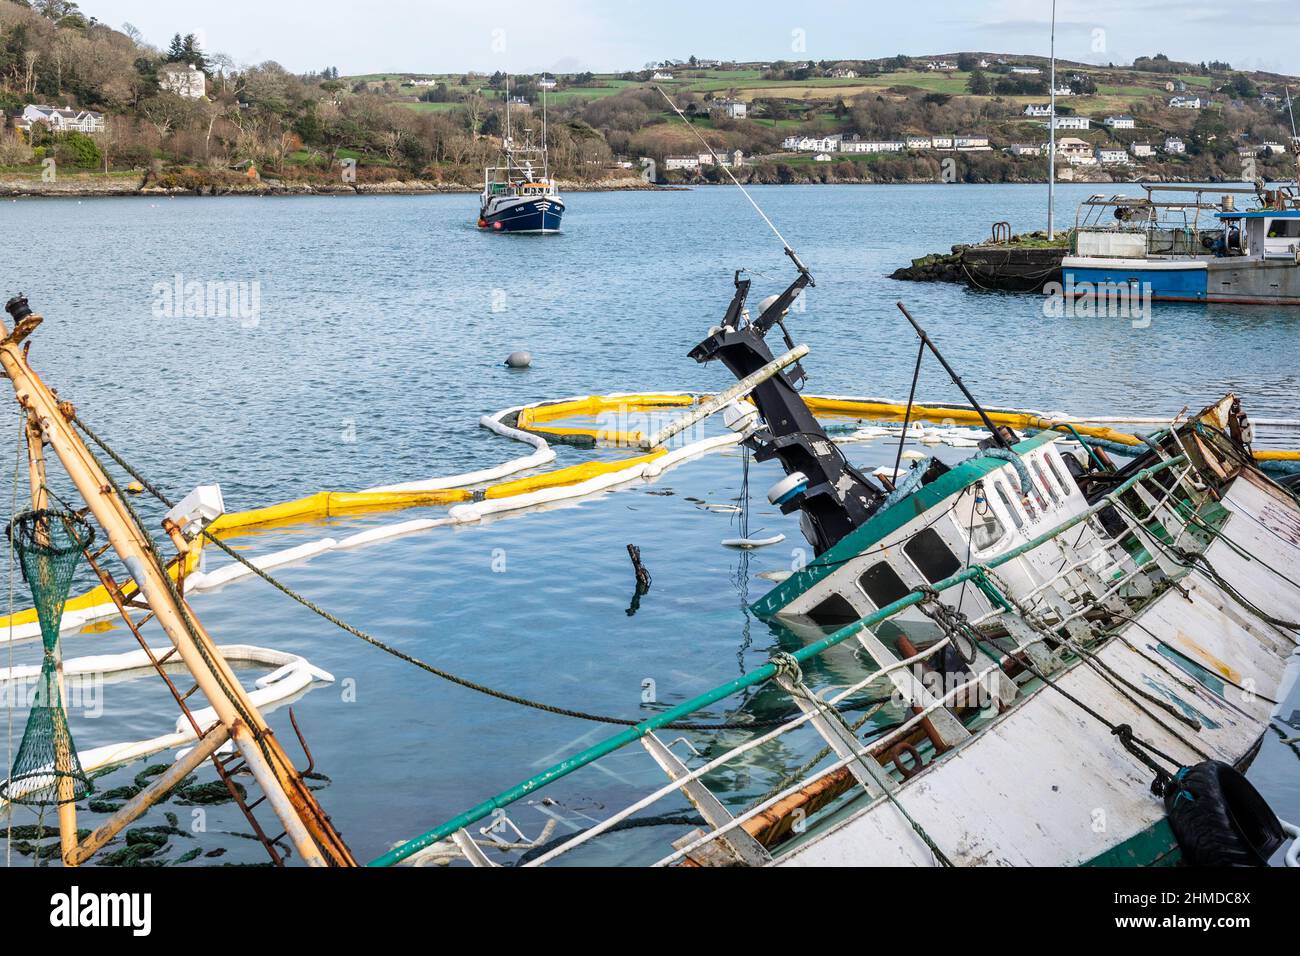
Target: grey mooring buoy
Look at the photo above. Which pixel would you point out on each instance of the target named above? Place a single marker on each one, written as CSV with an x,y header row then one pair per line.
x,y
519,359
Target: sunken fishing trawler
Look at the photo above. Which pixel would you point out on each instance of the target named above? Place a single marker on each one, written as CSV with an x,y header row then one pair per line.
x,y
1056,632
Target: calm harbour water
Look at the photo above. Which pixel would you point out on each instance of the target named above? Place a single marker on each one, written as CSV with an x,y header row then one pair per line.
x,y
382,325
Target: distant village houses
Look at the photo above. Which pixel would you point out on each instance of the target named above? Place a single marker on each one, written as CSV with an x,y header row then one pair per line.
x,y
1038,109
941,66
183,79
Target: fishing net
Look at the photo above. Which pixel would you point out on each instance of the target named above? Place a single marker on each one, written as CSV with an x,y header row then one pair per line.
x,y
46,770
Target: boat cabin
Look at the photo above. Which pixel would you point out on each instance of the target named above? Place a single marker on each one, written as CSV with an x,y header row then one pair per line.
x,y
1264,233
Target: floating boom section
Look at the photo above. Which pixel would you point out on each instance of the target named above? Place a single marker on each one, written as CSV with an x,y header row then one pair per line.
x,y
836,498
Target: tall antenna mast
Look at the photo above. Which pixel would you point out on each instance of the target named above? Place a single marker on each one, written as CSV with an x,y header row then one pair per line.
x,y
1051,140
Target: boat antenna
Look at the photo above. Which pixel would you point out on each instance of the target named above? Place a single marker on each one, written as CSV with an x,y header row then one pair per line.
x,y
794,257
546,166
927,342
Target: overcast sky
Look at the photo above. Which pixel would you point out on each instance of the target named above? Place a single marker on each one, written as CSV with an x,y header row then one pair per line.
x,y
429,36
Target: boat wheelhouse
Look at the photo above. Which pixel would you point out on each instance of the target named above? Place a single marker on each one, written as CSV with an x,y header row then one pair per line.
x,y
1178,244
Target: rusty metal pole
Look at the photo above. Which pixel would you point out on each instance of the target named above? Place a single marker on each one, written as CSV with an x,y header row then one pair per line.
x,y
227,696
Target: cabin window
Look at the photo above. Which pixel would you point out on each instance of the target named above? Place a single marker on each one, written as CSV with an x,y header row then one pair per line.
x,y
1056,470
985,529
835,611
882,585
1284,229
932,557
1045,481
1007,503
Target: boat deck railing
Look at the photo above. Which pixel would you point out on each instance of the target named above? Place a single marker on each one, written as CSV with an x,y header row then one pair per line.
x,y
1091,575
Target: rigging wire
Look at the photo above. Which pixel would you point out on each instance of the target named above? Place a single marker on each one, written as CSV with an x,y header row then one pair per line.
x,y
726,169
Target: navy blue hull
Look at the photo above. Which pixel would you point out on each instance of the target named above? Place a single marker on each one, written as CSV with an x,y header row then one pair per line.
x,y
534,215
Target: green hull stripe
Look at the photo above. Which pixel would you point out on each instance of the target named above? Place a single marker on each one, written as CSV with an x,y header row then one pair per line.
x,y
1154,846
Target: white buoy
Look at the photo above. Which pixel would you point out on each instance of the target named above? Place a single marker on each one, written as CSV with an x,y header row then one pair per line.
x,y
519,359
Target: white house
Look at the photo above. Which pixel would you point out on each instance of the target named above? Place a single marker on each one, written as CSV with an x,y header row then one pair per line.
x,y
1121,122
660,75
1072,148
1082,159
183,79
733,109
919,142
546,83
823,158
1063,91
1112,157
61,119
1268,146
1071,122
1038,109
681,162
940,66
1026,70
841,73
942,142
1142,150
1022,149
971,142
1175,145
1185,103
735,158
984,64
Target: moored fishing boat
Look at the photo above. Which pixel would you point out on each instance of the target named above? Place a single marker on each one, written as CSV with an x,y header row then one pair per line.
x,y
519,194
1176,244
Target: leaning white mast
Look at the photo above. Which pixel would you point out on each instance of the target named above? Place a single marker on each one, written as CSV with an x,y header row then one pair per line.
x,y
1051,140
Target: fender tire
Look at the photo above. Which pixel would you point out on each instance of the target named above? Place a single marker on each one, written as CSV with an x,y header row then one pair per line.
x,y
1220,819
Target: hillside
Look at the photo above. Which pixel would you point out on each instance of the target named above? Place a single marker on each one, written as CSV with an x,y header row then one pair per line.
x,y
262,123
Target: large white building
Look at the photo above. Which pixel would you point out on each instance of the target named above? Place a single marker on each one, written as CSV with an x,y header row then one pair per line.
x,y
1072,122
872,146
1039,109
1186,102
183,79
1121,122
1112,157
682,162
1175,145
61,119
1142,150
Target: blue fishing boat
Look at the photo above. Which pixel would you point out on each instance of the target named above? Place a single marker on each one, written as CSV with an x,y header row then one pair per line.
x,y
1175,244
519,194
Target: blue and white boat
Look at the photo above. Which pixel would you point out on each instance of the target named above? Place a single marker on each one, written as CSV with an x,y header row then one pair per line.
x,y
519,195
1173,245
